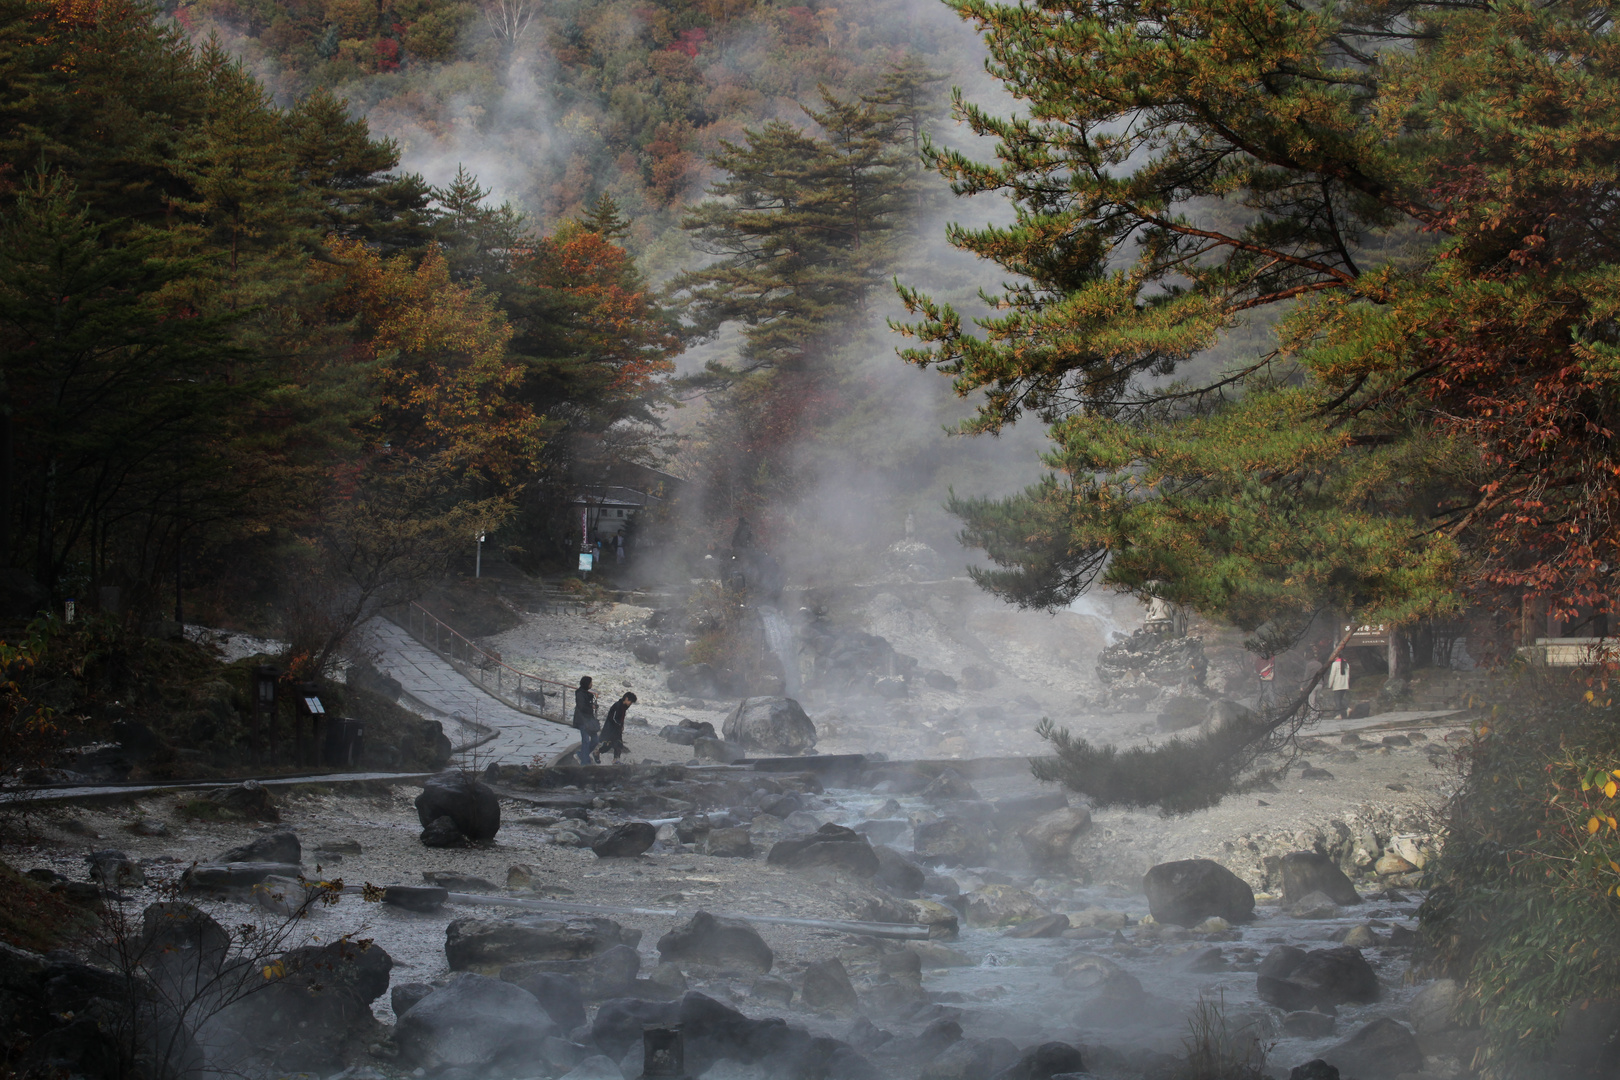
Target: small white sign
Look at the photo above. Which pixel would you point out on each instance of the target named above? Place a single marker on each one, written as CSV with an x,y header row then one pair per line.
x,y
586,560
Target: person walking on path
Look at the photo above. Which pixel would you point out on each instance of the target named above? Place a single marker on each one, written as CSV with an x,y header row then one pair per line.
x,y
585,719
613,728
1265,669
1339,683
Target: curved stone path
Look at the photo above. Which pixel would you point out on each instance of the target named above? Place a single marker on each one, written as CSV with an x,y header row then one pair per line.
x,y
437,688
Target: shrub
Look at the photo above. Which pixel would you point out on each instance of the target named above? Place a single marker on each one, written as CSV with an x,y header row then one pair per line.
x,y
1524,908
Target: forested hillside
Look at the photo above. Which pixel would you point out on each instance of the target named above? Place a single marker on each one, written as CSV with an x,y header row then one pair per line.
x,y
556,104
241,349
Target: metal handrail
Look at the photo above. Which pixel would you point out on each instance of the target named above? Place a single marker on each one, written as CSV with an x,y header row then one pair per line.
x,y
522,690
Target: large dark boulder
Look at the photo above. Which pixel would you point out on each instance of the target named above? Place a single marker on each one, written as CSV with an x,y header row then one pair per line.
x,y
1043,1062
249,800
1191,890
831,846
279,847
713,942
558,994
618,1024
627,841
441,832
1305,872
1293,979
897,873
952,841
827,988
949,785
310,1014
607,975
182,947
488,945
473,1023
462,798
971,1059
1381,1050
775,725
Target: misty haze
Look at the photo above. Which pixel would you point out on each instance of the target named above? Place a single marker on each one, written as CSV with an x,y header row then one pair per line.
x,y
749,540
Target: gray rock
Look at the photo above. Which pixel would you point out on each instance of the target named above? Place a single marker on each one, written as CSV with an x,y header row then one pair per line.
x,y
729,843
595,1067
416,897
1043,1062
441,832
627,841
831,846
1226,716
278,847
1191,890
181,947
249,799
1050,838
717,943
1381,1050
474,1022
607,975
827,988
403,996
1294,980
778,992
618,1024
467,883
560,995
1313,906
1313,1070
317,999
774,725
949,785
718,750
971,1059
114,869
1306,872
206,877
1434,1009
952,841
147,826
488,945
467,801
897,873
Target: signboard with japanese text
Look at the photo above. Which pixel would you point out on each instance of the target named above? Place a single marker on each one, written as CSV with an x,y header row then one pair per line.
x,y
1376,634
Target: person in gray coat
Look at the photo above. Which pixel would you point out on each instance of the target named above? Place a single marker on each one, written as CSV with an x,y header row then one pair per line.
x,y
585,721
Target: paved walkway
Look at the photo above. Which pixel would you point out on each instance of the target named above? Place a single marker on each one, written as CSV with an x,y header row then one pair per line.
x,y
518,738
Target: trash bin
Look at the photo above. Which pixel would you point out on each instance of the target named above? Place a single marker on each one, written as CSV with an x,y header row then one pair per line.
x,y
345,742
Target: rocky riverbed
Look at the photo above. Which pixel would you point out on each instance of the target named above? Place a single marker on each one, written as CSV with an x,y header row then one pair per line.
x,y
969,844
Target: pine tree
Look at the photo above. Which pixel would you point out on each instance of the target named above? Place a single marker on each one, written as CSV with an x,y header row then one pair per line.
x,y
801,227
335,156
478,240
909,99
117,401
605,220
1423,411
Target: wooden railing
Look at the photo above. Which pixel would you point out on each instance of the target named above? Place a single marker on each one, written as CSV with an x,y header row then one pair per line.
x,y
522,690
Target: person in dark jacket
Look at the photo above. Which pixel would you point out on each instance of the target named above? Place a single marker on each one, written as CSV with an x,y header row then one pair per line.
x,y
585,719
613,729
